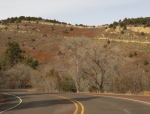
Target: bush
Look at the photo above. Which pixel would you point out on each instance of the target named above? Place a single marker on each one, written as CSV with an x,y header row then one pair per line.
x,y
6,28
124,27
68,85
142,33
44,35
105,46
122,32
66,32
9,37
121,24
135,54
33,39
71,29
30,61
18,21
18,77
111,25
50,81
130,55
145,62
60,53
53,29
114,27
108,41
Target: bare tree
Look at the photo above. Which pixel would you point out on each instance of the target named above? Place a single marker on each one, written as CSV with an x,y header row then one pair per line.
x,y
98,64
73,45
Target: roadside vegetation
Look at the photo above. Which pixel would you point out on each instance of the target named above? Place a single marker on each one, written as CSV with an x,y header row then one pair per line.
x,y
74,59
92,68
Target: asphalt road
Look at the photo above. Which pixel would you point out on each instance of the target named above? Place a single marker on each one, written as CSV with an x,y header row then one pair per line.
x,y
60,103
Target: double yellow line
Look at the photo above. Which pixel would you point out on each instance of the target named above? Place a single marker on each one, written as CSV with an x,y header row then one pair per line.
x,y
74,101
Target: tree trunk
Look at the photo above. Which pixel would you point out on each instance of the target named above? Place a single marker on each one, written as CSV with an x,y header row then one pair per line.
x,y
77,87
77,65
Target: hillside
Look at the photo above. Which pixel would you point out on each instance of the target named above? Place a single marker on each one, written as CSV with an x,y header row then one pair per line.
x,y
45,40
42,39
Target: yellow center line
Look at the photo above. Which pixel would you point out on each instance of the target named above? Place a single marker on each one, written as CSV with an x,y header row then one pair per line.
x,y
72,100
82,111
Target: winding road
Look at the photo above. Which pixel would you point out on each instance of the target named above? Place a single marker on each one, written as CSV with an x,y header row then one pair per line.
x,y
24,102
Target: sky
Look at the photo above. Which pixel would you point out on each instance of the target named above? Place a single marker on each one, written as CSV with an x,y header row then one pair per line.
x,y
87,12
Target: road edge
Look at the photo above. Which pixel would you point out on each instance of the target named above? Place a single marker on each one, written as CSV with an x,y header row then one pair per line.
x,y
2,99
123,97
20,101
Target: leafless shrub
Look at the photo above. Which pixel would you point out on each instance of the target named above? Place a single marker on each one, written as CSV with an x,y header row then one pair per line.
x,y
133,81
17,77
46,80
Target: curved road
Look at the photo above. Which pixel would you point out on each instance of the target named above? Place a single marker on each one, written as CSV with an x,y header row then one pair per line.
x,y
60,103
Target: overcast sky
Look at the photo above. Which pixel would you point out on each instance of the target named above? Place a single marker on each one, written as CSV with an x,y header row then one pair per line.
x,y
87,12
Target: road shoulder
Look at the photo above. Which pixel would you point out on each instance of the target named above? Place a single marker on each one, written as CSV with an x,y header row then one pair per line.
x,y
2,99
132,97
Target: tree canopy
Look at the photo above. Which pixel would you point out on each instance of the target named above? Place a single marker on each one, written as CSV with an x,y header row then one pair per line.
x,y
132,21
23,18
